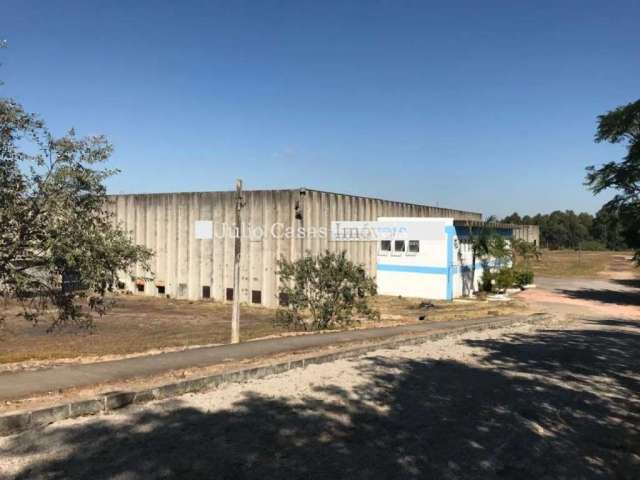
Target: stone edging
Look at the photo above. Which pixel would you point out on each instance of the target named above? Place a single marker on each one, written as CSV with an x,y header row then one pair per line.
x,y
19,422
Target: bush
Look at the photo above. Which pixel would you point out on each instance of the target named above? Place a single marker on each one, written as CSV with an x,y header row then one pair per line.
x,y
505,278
486,285
327,288
523,277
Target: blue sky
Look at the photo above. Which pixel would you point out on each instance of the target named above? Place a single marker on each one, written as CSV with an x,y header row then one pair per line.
x,y
487,106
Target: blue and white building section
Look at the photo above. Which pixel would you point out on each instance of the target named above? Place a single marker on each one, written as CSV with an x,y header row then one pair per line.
x,y
436,264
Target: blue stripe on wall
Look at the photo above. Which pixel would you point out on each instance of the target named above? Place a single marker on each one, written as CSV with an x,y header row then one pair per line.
x,y
450,231
385,267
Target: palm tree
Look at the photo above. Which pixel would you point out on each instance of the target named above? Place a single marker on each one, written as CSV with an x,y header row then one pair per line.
x,y
481,239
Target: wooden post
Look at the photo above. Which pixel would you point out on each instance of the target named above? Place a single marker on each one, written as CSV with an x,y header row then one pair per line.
x,y
235,315
300,217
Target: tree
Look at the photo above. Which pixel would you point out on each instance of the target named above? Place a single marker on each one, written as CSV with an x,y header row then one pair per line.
x,y
513,218
57,242
328,288
607,229
481,239
621,126
559,229
527,251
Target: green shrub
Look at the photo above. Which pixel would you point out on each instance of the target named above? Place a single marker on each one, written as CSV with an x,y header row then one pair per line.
x,y
505,278
523,277
486,284
323,291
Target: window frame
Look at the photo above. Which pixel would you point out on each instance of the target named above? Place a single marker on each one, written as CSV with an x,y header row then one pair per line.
x,y
395,247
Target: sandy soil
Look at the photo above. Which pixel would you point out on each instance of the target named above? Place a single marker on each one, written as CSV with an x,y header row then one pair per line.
x,y
558,400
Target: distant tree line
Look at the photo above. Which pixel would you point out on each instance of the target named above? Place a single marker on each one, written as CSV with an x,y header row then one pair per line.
x,y
607,229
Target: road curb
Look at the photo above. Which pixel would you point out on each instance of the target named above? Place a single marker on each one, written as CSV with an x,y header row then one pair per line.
x,y
19,422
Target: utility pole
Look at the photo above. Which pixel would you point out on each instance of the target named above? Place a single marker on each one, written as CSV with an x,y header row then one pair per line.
x,y
299,214
235,315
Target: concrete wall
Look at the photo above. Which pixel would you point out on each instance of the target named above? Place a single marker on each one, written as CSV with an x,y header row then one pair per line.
x,y
529,233
183,265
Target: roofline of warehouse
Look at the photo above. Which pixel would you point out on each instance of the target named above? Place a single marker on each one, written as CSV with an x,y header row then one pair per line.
x,y
302,189
480,223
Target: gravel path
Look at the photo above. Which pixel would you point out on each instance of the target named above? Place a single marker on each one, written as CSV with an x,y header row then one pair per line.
x,y
552,401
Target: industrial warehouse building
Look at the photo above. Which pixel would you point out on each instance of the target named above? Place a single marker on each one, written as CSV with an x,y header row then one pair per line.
x,y
192,237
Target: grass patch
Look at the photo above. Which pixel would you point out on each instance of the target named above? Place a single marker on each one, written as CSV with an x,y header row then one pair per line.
x,y
571,263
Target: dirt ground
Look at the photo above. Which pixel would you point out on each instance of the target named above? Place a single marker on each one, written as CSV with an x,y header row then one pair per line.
x,y
614,297
558,400
144,325
613,290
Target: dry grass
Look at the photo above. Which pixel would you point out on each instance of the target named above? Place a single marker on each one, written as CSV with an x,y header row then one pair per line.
x,y
135,324
142,324
570,263
409,309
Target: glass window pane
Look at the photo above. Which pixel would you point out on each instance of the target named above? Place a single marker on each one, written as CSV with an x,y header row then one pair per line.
x,y
399,246
385,245
414,246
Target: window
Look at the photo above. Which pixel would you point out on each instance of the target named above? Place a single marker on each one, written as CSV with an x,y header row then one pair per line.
x,y
385,246
206,291
398,245
256,296
140,287
229,294
414,246
283,299
160,289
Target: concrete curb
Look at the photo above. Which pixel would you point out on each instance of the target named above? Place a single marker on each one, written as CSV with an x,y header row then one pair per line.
x,y
19,422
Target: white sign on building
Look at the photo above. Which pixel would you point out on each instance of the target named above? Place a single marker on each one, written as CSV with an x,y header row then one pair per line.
x,y
355,231
204,229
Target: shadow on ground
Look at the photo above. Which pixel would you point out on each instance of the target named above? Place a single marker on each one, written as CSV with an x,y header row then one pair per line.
x,y
628,282
550,405
618,297
623,292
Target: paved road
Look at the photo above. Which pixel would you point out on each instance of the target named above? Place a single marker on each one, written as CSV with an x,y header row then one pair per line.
x,y
586,296
15,385
564,284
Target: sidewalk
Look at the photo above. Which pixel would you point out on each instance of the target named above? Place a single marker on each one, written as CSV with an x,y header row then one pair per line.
x,y
15,385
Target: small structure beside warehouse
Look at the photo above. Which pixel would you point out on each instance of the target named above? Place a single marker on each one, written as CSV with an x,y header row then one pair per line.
x,y
192,236
437,264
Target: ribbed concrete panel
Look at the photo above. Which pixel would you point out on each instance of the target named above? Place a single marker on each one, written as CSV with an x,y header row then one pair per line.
x,y
183,264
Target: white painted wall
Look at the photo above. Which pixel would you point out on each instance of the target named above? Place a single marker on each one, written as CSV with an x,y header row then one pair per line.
x,y
425,274
422,274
